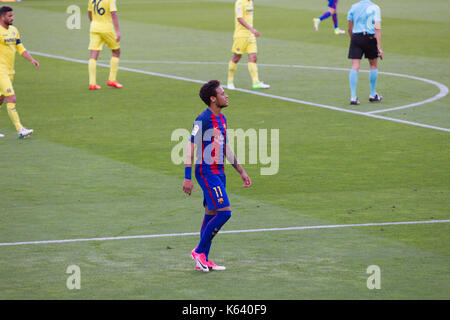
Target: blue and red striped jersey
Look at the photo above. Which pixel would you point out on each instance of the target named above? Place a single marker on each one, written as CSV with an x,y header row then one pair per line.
x,y
209,133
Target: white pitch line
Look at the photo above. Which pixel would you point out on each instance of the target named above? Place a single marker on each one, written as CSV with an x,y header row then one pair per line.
x,y
443,90
366,114
225,232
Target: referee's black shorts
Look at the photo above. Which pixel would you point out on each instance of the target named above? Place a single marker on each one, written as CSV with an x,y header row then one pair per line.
x,y
363,44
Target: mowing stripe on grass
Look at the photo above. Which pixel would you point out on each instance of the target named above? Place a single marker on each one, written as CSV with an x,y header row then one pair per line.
x,y
366,114
222,232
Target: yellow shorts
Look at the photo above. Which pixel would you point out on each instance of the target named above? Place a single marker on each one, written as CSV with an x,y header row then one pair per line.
x,y
6,87
244,45
100,38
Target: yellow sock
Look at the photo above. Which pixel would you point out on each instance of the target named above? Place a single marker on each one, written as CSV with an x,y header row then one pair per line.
x,y
114,67
92,66
253,69
231,70
13,115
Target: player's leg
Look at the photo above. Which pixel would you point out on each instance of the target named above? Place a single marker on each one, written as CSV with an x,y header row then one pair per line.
x,y
114,68
209,215
324,16
253,70
95,46
232,66
373,78
371,53
12,112
212,228
92,67
333,11
6,88
22,132
237,50
355,53
353,81
111,42
217,201
252,67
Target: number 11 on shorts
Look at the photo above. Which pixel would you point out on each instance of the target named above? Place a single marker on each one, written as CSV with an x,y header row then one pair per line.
x,y
217,193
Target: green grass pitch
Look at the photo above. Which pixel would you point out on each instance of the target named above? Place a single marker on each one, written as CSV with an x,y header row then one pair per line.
x,y
99,163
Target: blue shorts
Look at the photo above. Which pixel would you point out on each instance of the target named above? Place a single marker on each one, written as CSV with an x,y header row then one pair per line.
x,y
214,193
332,3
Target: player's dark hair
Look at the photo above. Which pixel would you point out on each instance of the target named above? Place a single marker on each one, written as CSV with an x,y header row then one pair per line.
x,y
208,90
5,9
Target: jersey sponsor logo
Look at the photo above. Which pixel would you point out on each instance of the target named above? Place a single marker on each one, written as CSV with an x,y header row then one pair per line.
x,y
10,40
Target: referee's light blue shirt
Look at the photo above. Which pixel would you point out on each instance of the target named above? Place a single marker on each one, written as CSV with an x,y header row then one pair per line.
x,y
364,14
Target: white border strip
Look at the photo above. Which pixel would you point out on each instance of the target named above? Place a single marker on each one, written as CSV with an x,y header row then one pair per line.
x,y
222,232
254,92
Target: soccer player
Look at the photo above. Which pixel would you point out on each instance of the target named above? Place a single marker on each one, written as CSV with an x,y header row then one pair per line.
x,y
103,17
332,11
209,136
364,28
10,43
244,41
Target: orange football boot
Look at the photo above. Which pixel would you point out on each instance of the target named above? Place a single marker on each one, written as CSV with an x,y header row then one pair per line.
x,y
94,87
114,84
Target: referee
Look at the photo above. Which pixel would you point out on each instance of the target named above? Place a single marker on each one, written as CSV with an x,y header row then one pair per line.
x,y
364,28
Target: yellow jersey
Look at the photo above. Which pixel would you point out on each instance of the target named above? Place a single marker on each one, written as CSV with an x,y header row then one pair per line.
x,y
9,43
101,15
243,9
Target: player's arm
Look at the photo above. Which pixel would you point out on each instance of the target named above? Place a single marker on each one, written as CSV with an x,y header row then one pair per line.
x,y
231,157
188,186
350,28
28,56
378,36
377,25
90,8
350,22
115,20
24,53
247,26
